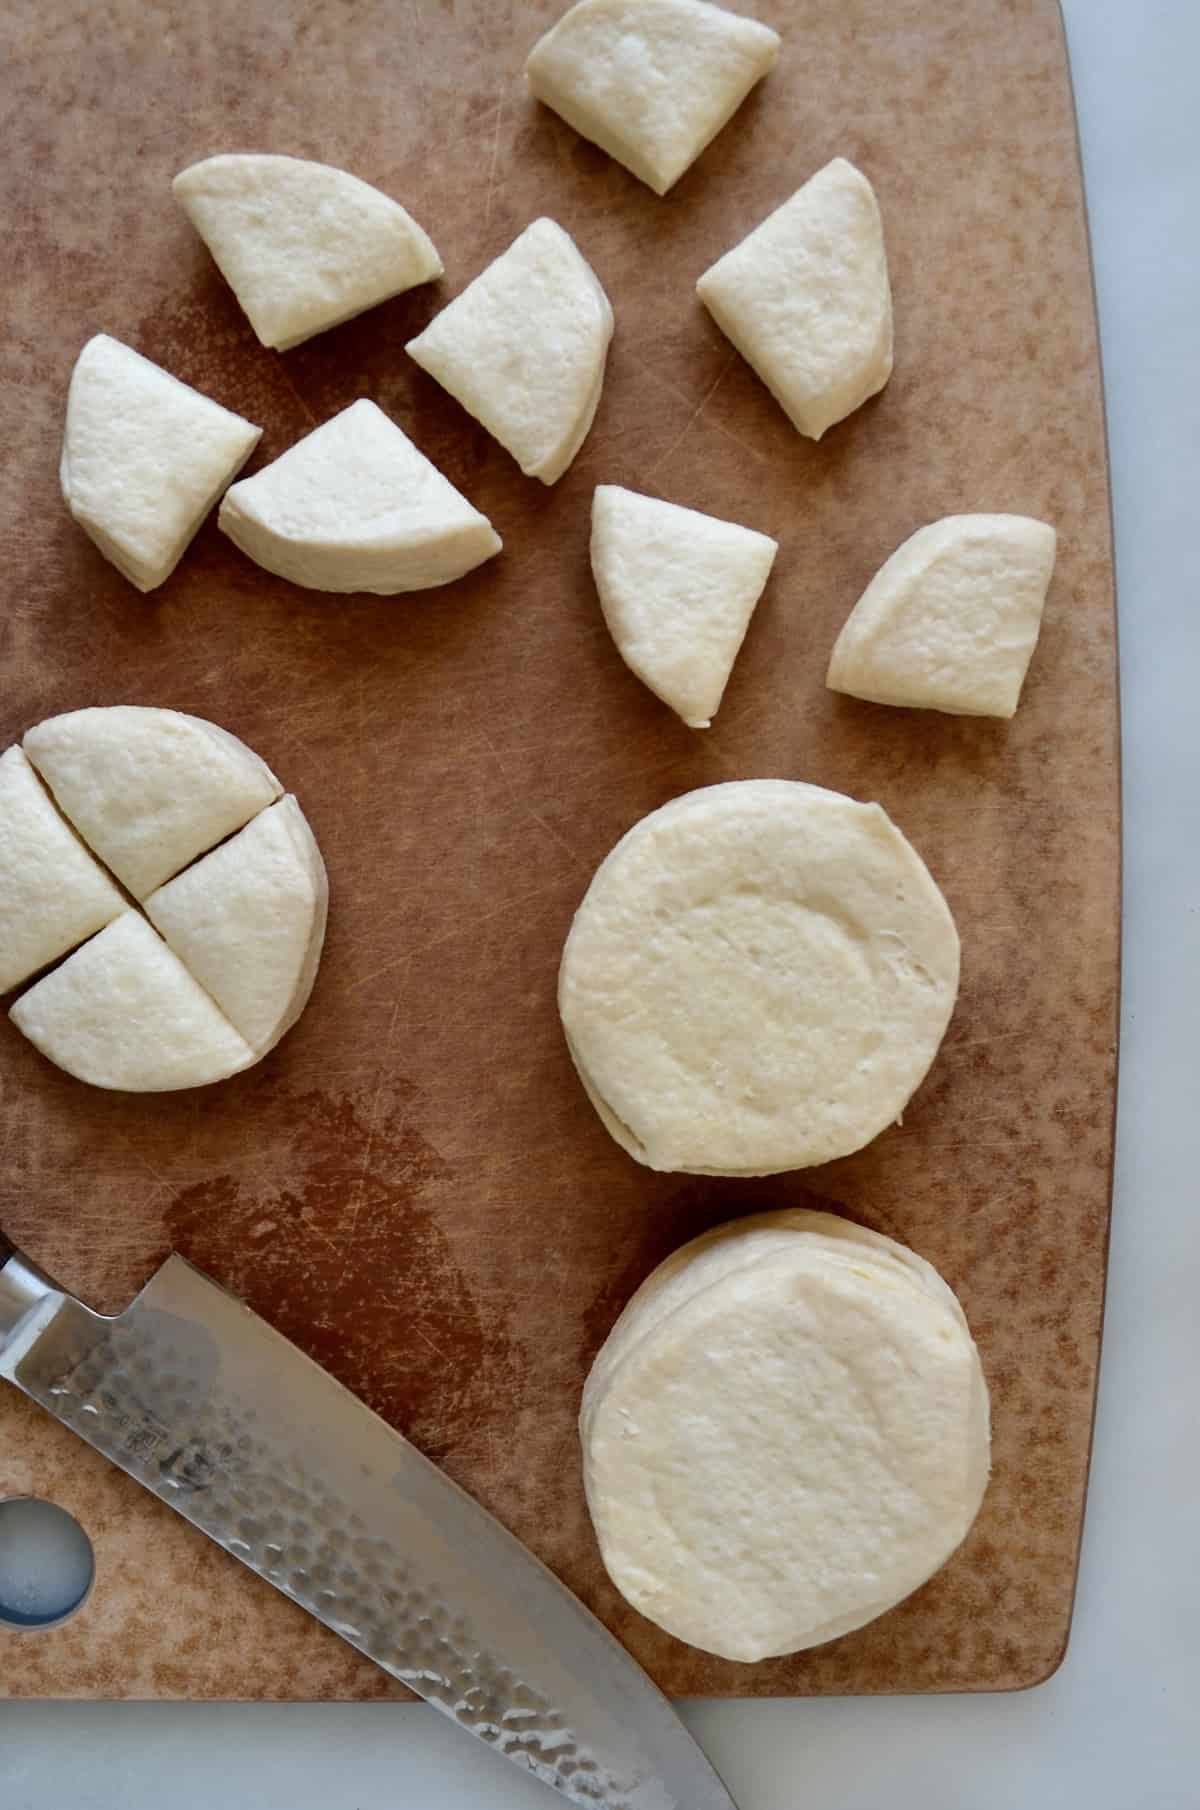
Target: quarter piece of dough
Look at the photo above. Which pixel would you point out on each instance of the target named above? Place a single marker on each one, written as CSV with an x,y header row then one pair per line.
x,y
678,589
758,978
302,245
248,922
52,893
123,1012
148,790
523,349
144,458
951,620
651,82
785,1434
805,299
355,506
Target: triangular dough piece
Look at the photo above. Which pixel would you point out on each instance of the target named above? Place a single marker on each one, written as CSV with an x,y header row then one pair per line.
x,y
805,299
144,458
523,349
355,506
678,590
52,893
303,246
149,789
248,922
124,1013
951,620
651,82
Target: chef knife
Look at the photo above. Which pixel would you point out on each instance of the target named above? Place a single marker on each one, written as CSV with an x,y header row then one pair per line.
x,y
228,1423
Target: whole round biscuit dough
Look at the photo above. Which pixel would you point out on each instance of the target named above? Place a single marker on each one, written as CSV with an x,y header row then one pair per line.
x,y
758,978
785,1434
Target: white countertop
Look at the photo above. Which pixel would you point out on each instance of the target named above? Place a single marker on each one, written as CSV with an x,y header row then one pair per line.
x,y
1116,1728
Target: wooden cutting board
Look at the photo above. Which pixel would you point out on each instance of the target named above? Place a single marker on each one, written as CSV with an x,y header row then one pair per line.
x,y
413,1187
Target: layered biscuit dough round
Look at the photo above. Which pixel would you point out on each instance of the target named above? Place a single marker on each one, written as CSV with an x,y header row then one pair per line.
x,y
785,1434
758,979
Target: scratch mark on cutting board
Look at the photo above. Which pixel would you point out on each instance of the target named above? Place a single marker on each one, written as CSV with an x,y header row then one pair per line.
x,y
491,188
360,1192
690,423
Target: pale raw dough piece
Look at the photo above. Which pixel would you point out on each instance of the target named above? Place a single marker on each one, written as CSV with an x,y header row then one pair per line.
x,y
355,506
124,1013
148,789
678,590
785,1434
302,245
951,620
758,979
52,893
651,82
248,922
523,349
144,458
805,299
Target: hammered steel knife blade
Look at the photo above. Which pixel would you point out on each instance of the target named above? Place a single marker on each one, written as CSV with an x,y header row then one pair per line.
x,y
232,1426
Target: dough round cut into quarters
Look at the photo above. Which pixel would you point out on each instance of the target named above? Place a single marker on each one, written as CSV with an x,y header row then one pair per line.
x,y
806,300
678,590
241,928
123,1012
951,620
354,506
785,1434
758,979
302,245
52,893
148,790
144,458
651,82
523,349
248,922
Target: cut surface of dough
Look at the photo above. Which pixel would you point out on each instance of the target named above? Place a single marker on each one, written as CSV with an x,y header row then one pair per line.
x,y
806,300
523,349
123,1012
355,506
677,589
302,245
52,893
951,620
248,922
144,458
758,978
785,1434
651,82
147,789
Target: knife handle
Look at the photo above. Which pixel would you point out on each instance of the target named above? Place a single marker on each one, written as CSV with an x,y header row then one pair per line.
x,y
7,1250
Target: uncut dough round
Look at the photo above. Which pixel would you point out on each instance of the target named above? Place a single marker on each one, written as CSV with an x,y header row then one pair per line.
x,y
678,589
124,1013
651,82
951,620
523,348
758,979
806,299
355,506
785,1434
248,921
144,458
52,893
148,789
302,245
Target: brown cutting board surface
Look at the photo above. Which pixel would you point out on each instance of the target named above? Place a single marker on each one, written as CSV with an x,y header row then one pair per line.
x,y
413,1187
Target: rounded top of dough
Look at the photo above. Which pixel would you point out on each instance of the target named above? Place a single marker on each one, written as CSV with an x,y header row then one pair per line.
x,y
757,979
785,1434
303,245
